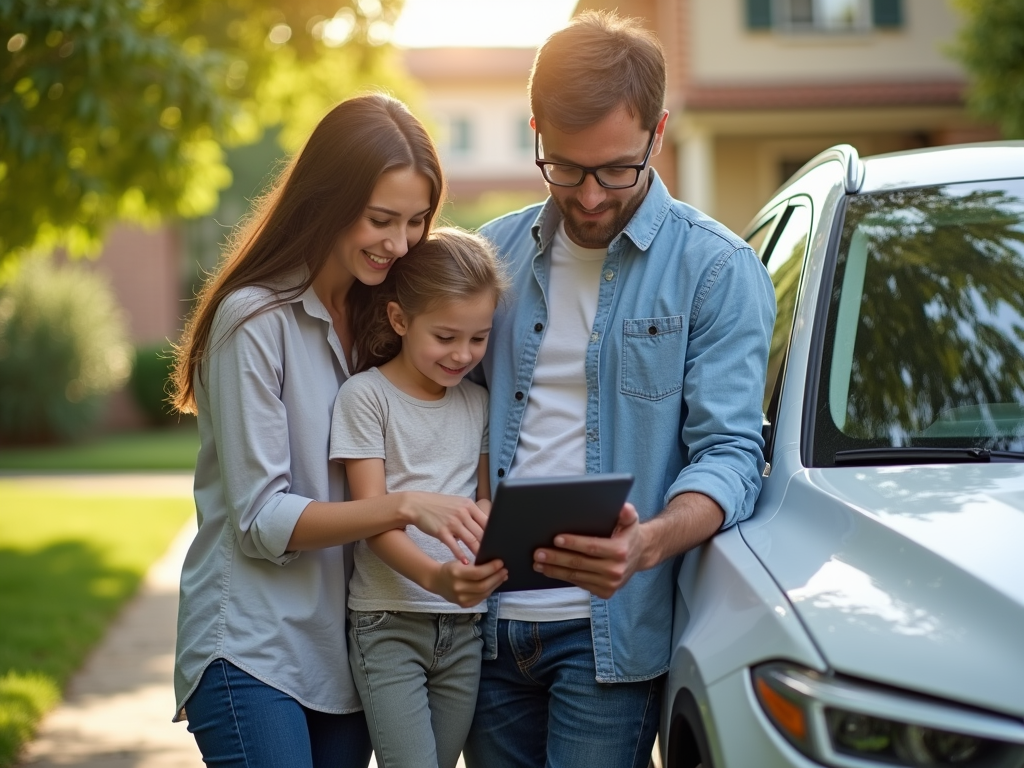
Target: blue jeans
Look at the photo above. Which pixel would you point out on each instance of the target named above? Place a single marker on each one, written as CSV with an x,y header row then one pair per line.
x,y
540,705
240,722
417,676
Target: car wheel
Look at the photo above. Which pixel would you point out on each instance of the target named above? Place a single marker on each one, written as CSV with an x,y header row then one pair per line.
x,y
687,741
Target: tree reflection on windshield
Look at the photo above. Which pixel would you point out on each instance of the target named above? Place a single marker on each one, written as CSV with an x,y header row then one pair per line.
x,y
931,348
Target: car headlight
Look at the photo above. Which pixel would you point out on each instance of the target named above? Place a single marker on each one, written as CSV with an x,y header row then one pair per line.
x,y
852,724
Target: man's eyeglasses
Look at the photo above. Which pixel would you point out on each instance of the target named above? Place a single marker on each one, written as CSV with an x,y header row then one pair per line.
x,y
608,176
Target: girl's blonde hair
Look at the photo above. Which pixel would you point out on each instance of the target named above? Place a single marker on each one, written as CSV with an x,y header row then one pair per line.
x,y
448,265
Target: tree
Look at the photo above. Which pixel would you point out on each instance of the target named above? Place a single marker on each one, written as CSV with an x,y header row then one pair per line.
x,y
991,47
118,109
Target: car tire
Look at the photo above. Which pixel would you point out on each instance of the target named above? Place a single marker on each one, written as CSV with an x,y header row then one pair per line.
x,y
687,741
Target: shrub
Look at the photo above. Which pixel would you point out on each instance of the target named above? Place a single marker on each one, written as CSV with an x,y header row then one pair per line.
x,y
63,347
150,382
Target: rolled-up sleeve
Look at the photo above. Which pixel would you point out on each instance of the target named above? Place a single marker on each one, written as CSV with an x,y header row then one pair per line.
x,y
723,385
243,378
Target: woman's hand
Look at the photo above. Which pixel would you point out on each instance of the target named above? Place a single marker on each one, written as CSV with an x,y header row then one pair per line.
x,y
467,585
450,519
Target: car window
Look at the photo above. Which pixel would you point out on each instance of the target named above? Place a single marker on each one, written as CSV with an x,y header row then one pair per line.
x,y
924,342
759,240
783,263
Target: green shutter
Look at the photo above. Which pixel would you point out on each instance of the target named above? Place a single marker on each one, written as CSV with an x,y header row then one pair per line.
x,y
887,13
759,14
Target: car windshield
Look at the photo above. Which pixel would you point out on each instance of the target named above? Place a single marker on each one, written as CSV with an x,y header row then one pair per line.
x,y
924,343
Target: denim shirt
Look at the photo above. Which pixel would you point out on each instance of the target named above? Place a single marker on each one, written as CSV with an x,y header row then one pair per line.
x,y
675,373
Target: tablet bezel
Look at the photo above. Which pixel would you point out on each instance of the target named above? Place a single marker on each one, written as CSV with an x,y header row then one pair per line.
x,y
528,513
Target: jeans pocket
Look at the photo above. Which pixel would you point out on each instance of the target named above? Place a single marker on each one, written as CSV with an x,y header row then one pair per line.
x,y
368,621
653,355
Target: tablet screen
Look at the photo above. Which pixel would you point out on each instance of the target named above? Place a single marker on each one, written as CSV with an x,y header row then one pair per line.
x,y
529,512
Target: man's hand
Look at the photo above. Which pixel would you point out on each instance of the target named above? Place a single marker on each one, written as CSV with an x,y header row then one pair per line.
x,y
600,566
603,566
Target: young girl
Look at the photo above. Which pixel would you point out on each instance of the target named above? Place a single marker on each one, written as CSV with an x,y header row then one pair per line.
x,y
414,423
263,588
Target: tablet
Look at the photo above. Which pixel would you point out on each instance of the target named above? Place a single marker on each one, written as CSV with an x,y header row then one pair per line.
x,y
529,512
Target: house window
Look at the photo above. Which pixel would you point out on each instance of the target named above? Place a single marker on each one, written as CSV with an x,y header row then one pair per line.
x,y
824,15
461,135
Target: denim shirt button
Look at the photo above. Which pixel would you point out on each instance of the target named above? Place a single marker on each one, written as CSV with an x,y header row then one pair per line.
x,y
538,327
594,336
501,473
519,395
608,276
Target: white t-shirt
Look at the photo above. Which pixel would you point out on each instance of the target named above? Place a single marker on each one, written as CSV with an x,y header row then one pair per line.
x,y
552,437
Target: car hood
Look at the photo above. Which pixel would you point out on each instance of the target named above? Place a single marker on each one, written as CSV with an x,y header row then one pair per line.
x,y
912,576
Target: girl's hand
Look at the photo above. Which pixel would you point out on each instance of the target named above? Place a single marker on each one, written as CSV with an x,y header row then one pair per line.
x,y
450,519
467,585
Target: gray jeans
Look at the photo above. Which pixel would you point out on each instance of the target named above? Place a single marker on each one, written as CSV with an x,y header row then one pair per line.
x,y
417,675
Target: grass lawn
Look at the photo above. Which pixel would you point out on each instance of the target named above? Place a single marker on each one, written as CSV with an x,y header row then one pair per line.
x,y
68,561
167,448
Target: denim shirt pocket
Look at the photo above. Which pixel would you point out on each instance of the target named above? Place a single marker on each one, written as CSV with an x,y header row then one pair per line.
x,y
653,354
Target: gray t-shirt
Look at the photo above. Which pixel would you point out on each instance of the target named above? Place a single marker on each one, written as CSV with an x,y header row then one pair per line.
x,y
427,445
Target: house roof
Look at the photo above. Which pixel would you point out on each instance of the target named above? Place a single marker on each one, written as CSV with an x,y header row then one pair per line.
x,y
706,97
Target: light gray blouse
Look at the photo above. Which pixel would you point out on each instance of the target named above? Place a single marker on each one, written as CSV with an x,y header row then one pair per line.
x,y
265,399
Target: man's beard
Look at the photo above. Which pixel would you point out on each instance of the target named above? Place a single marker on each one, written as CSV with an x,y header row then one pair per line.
x,y
592,234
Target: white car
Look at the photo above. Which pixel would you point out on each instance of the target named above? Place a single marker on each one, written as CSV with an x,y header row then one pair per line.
x,y
871,611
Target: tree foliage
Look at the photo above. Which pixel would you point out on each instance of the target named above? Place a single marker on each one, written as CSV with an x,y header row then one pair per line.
x,y
118,109
991,47
63,348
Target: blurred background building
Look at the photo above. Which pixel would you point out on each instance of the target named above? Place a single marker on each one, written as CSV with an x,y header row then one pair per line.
x,y
758,87
476,100
755,89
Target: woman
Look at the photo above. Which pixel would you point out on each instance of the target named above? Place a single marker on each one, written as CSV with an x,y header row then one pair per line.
x,y
261,670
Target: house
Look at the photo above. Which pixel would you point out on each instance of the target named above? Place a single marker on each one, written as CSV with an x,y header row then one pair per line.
x,y
757,87
478,111
145,270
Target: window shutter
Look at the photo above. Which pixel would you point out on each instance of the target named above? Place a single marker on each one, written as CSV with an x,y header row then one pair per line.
x,y
759,14
887,13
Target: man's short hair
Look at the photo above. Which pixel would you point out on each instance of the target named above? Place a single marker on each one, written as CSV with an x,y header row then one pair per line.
x,y
599,62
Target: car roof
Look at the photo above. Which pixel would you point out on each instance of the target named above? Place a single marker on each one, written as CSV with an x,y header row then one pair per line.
x,y
943,165
949,164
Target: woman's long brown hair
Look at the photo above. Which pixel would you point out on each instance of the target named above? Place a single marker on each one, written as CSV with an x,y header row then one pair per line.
x,y
321,193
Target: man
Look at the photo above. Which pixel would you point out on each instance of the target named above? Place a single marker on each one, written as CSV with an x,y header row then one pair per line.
x,y
636,341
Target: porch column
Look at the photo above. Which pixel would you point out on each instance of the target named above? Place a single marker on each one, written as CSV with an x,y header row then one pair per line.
x,y
696,170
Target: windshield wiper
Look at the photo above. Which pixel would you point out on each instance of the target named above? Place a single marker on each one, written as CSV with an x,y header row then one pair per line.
x,y
923,455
